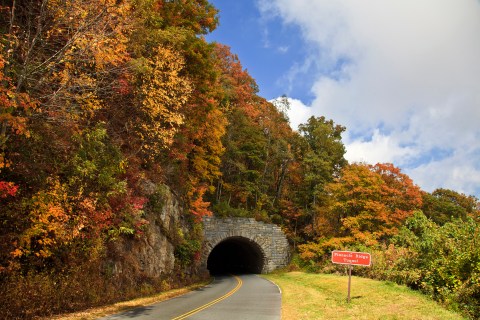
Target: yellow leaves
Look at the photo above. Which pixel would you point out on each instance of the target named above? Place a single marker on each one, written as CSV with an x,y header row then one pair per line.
x,y
105,50
163,89
163,93
92,38
206,156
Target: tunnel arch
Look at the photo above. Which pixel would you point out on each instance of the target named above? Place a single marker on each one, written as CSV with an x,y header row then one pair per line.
x,y
265,244
237,255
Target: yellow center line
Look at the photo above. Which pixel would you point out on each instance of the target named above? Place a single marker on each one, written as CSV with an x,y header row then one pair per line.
x,y
205,306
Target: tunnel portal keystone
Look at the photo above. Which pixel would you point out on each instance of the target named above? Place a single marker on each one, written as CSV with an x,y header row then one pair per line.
x,y
269,238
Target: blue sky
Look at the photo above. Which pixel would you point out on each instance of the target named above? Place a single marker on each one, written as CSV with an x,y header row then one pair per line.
x,y
266,47
403,76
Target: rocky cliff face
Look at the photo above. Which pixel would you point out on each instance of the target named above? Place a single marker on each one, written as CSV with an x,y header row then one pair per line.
x,y
152,255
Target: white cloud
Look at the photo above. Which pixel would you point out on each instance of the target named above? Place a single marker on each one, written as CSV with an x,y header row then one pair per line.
x,y
456,172
403,76
298,113
381,148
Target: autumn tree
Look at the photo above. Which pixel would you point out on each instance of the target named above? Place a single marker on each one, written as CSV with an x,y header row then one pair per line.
x,y
399,192
162,94
192,119
443,205
243,140
257,145
66,55
368,203
293,206
323,153
77,59
198,144
14,109
65,51
318,157
197,16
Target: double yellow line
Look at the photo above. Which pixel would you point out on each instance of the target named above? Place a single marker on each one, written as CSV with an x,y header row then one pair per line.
x,y
205,306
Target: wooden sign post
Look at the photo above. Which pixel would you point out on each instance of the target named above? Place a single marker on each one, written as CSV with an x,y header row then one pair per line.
x,y
351,259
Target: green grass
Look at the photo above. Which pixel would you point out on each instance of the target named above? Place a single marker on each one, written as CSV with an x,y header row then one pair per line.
x,y
319,296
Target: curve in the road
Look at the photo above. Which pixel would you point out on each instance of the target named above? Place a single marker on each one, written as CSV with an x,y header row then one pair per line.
x,y
242,297
207,305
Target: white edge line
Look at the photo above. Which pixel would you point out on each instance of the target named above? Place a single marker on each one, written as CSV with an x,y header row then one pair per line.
x,y
279,289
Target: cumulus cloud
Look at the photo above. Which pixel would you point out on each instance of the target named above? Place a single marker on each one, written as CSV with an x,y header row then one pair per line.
x,y
403,76
380,148
457,172
298,113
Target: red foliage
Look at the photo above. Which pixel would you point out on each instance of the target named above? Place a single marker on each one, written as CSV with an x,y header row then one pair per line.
x,y
138,202
197,256
7,189
124,86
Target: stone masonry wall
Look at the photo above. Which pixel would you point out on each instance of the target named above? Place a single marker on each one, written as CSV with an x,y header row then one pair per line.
x,y
269,238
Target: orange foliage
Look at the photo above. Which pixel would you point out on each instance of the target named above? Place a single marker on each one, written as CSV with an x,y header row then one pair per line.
x,y
95,36
399,191
239,88
198,144
368,203
198,207
51,224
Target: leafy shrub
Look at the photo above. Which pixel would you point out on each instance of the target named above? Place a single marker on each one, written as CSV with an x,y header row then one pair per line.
x,y
443,262
440,261
223,209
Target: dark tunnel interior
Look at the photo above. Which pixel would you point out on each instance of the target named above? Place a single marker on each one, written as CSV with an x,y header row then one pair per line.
x,y
235,255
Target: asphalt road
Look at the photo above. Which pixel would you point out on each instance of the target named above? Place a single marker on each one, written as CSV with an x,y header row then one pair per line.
x,y
227,297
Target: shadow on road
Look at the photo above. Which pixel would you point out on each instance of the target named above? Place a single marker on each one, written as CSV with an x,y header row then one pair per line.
x,y
133,313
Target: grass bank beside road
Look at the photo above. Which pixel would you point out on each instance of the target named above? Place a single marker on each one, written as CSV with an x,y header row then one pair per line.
x,y
319,296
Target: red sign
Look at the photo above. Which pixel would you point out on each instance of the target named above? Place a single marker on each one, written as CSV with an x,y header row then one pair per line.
x,y
353,258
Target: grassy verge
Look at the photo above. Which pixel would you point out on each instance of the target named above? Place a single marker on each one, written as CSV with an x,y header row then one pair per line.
x,y
96,313
318,296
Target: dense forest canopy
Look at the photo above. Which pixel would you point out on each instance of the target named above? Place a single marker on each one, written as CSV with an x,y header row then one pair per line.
x,y
100,97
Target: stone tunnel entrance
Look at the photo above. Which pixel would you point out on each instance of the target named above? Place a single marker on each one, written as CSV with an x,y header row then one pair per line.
x,y
243,245
236,255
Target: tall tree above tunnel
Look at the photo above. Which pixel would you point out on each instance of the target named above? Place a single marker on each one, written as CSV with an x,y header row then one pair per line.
x,y
198,144
181,139
257,144
320,155
323,154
